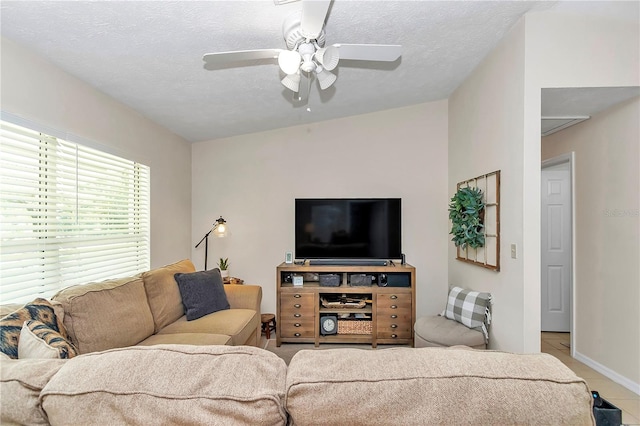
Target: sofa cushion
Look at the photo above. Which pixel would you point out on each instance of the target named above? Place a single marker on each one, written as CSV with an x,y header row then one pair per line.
x,y
37,340
20,384
237,323
401,386
186,339
163,293
172,384
202,293
435,331
9,308
11,325
107,314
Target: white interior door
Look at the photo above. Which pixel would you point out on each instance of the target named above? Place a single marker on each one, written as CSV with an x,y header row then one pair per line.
x,y
556,249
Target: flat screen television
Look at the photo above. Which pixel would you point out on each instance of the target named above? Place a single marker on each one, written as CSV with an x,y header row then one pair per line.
x,y
348,228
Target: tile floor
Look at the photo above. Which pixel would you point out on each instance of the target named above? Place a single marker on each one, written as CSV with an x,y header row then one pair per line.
x,y
557,344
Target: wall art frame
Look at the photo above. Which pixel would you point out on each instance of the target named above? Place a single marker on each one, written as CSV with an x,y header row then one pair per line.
x,y
487,256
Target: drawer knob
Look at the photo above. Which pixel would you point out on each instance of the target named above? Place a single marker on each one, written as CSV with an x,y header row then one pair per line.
x,y
297,334
394,316
394,325
393,296
297,315
297,296
394,307
297,324
394,336
297,306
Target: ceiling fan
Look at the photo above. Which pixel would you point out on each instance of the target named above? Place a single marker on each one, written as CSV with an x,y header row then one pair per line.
x,y
306,56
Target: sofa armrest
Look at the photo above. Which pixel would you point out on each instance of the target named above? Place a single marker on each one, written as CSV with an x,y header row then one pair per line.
x,y
242,296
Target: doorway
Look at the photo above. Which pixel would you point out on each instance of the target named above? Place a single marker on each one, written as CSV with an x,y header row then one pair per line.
x,y
556,245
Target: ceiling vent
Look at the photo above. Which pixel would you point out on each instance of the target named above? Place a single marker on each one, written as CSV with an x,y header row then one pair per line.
x,y
555,124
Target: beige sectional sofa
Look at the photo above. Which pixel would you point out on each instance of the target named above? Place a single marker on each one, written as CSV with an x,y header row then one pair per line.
x,y
242,385
141,362
147,309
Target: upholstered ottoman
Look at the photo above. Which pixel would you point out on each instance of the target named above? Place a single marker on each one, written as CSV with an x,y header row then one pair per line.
x,y
433,386
438,331
168,384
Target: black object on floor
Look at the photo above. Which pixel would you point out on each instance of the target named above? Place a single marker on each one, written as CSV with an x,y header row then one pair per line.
x,y
605,413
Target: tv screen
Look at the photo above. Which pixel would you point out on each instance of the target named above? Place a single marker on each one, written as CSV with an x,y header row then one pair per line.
x,y
355,228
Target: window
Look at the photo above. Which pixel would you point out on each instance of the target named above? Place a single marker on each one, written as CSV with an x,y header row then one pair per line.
x,y
68,215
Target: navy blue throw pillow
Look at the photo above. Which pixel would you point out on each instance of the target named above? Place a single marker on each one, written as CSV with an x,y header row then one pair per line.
x,y
202,293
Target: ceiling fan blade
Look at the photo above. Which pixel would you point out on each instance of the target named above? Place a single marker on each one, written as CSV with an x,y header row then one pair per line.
x,y
214,60
369,52
314,12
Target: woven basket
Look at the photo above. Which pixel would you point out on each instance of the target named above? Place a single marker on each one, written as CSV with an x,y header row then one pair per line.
x,y
354,326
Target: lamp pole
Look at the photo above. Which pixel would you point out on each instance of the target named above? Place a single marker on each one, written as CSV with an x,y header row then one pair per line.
x,y
220,225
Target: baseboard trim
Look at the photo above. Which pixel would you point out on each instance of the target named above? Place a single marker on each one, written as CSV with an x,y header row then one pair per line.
x,y
609,373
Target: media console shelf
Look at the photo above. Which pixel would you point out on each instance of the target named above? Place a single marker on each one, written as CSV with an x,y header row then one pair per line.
x,y
381,313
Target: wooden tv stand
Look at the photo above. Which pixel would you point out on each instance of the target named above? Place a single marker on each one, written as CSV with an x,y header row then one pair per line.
x,y
391,311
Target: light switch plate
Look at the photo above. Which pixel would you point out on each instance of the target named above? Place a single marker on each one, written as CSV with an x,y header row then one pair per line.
x,y
514,251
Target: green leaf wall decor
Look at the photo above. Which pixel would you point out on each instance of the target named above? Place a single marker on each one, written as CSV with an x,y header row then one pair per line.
x,y
466,211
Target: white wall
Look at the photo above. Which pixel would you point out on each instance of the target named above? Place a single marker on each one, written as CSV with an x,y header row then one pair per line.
x,y
485,134
494,121
252,181
607,223
38,91
575,50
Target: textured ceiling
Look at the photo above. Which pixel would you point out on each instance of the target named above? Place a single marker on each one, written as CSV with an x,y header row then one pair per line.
x,y
148,55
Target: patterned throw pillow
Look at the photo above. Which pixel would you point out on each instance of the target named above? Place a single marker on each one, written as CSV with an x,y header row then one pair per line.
x,y
39,341
471,308
11,325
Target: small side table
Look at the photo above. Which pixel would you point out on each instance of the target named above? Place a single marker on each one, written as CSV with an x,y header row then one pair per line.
x,y
268,324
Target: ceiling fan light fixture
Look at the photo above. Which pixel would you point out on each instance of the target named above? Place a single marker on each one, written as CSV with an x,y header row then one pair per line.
x,y
289,61
291,82
325,78
328,57
307,51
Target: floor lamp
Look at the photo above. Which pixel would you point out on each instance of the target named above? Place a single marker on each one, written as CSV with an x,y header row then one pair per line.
x,y
220,230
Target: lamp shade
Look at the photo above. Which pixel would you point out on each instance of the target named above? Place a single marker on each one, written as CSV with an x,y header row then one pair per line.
x,y
220,228
289,61
291,82
325,78
328,57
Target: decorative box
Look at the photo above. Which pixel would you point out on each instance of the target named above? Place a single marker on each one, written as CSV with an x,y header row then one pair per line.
x,y
330,280
360,280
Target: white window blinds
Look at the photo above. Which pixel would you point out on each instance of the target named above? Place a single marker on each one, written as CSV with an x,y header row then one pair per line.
x,y
68,215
